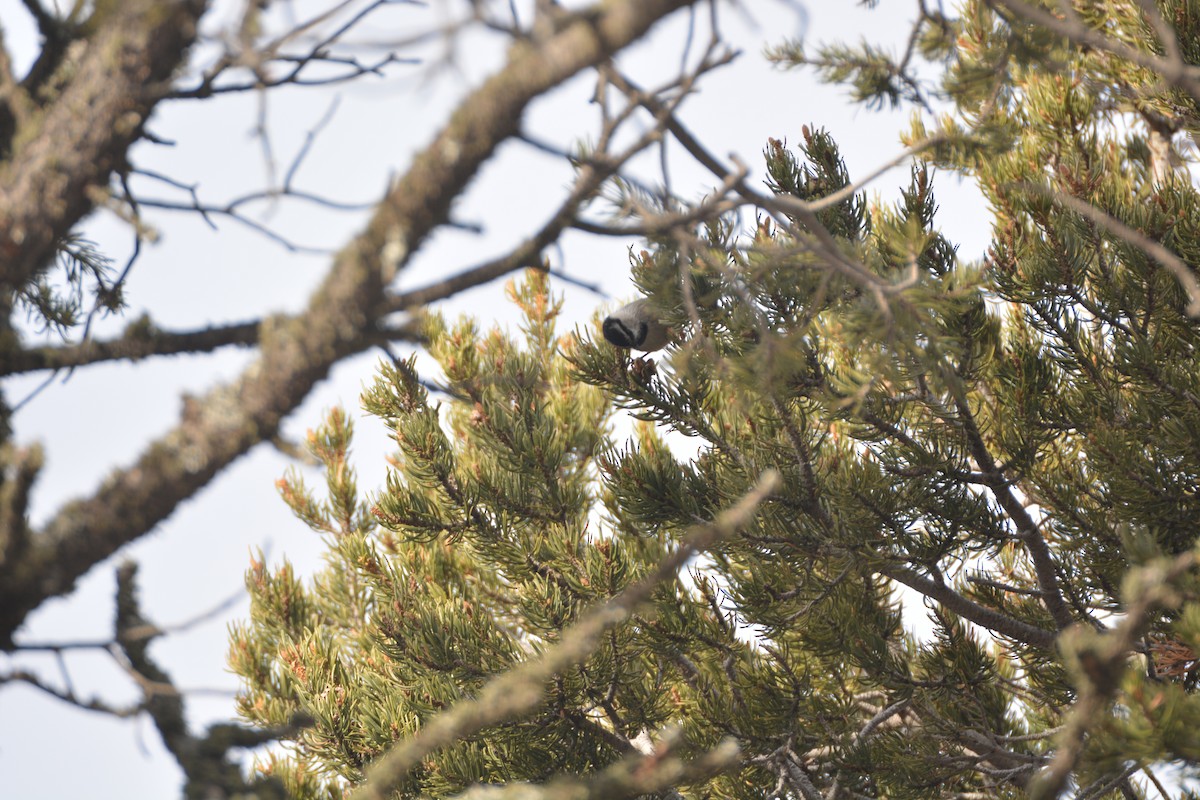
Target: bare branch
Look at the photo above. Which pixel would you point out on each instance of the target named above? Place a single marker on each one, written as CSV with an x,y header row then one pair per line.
x,y
141,339
49,26
341,317
232,208
593,173
1173,71
1163,30
354,69
203,759
971,611
69,697
1169,261
1103,658
310,137
44,183
818,239
1029,532
21,467
851,189
259,59
15,103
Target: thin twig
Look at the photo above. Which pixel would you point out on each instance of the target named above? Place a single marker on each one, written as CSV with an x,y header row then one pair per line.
x,y
1103,659
1177,73
1171,262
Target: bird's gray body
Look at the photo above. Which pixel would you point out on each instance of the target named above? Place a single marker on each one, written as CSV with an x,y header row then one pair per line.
x,y
636,327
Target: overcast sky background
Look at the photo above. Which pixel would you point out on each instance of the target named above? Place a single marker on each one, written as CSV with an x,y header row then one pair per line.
x,y
103,416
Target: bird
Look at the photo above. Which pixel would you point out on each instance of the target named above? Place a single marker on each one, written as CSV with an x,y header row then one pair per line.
x,y
636,326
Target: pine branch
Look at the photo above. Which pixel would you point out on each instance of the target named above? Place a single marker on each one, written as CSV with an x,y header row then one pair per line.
x,y
1102,658
520,690
1168,260
633,776
1174,69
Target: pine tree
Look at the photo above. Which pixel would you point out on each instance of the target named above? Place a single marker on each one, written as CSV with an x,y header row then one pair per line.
x,y
1012,443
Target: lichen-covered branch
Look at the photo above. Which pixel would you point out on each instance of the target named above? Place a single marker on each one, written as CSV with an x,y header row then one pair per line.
x,y
112,78
340,319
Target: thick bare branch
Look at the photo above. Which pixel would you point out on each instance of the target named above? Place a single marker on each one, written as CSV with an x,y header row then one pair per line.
x,y
341,318
203,759
140,339
143,340
971,611
15,105
85,132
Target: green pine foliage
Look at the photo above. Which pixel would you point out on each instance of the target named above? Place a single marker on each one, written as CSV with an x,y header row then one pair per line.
x,y
1008,447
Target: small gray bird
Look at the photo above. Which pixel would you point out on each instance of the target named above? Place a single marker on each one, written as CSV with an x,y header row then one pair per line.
x,y
636,327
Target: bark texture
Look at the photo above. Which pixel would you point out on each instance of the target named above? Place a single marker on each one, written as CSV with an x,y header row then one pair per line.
x,y
295,352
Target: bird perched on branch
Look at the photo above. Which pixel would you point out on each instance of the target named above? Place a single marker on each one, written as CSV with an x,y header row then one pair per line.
x,y
636,326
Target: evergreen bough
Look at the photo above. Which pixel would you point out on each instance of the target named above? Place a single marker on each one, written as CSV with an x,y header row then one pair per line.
x,y
1012,443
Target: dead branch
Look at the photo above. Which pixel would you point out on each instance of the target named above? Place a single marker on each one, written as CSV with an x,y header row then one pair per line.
x,y
340,319
119,76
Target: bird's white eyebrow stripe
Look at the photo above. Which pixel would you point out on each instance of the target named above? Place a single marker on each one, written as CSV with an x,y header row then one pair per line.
x,y
636,325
